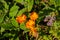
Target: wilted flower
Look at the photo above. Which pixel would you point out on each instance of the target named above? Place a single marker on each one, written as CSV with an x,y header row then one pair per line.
x,y
53,18
33,32
33,16
49,23
47,18
21,18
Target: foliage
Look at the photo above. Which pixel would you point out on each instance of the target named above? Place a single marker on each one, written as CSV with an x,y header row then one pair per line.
x,y
10,29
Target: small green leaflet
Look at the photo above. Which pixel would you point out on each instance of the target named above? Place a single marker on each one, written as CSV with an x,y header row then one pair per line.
x,y
6,5
30,5
57,2
21,11
22,26
7,26
7,34
20,1
52,1
2,17
23,2
2,29
14,22
13,11
45,37
17,38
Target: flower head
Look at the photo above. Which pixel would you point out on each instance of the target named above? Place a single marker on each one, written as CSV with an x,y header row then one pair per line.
x,y
33,16
30,23
21,18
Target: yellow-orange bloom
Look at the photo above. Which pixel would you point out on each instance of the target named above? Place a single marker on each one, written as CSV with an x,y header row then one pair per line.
x,y
21,18
33,16
30,24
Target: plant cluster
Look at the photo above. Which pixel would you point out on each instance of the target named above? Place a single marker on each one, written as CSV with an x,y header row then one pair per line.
x,y
29,19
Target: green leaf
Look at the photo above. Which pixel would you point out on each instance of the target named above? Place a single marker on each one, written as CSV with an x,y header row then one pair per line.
x,y
22,26
17,38
2,17
13,11
2,29
27,30
30,5
21,11
56,24
39,19
37,1
49,37
57,2
45,37
11,38
52,1
7,26
23,2
26,36
6,5
7,34
50,31
20,1
14,22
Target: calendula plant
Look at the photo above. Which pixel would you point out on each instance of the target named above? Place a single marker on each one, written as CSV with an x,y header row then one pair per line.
x,y
29,19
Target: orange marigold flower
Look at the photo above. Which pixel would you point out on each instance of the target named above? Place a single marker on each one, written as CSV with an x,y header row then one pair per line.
x,y
21,18
33,16
30,23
